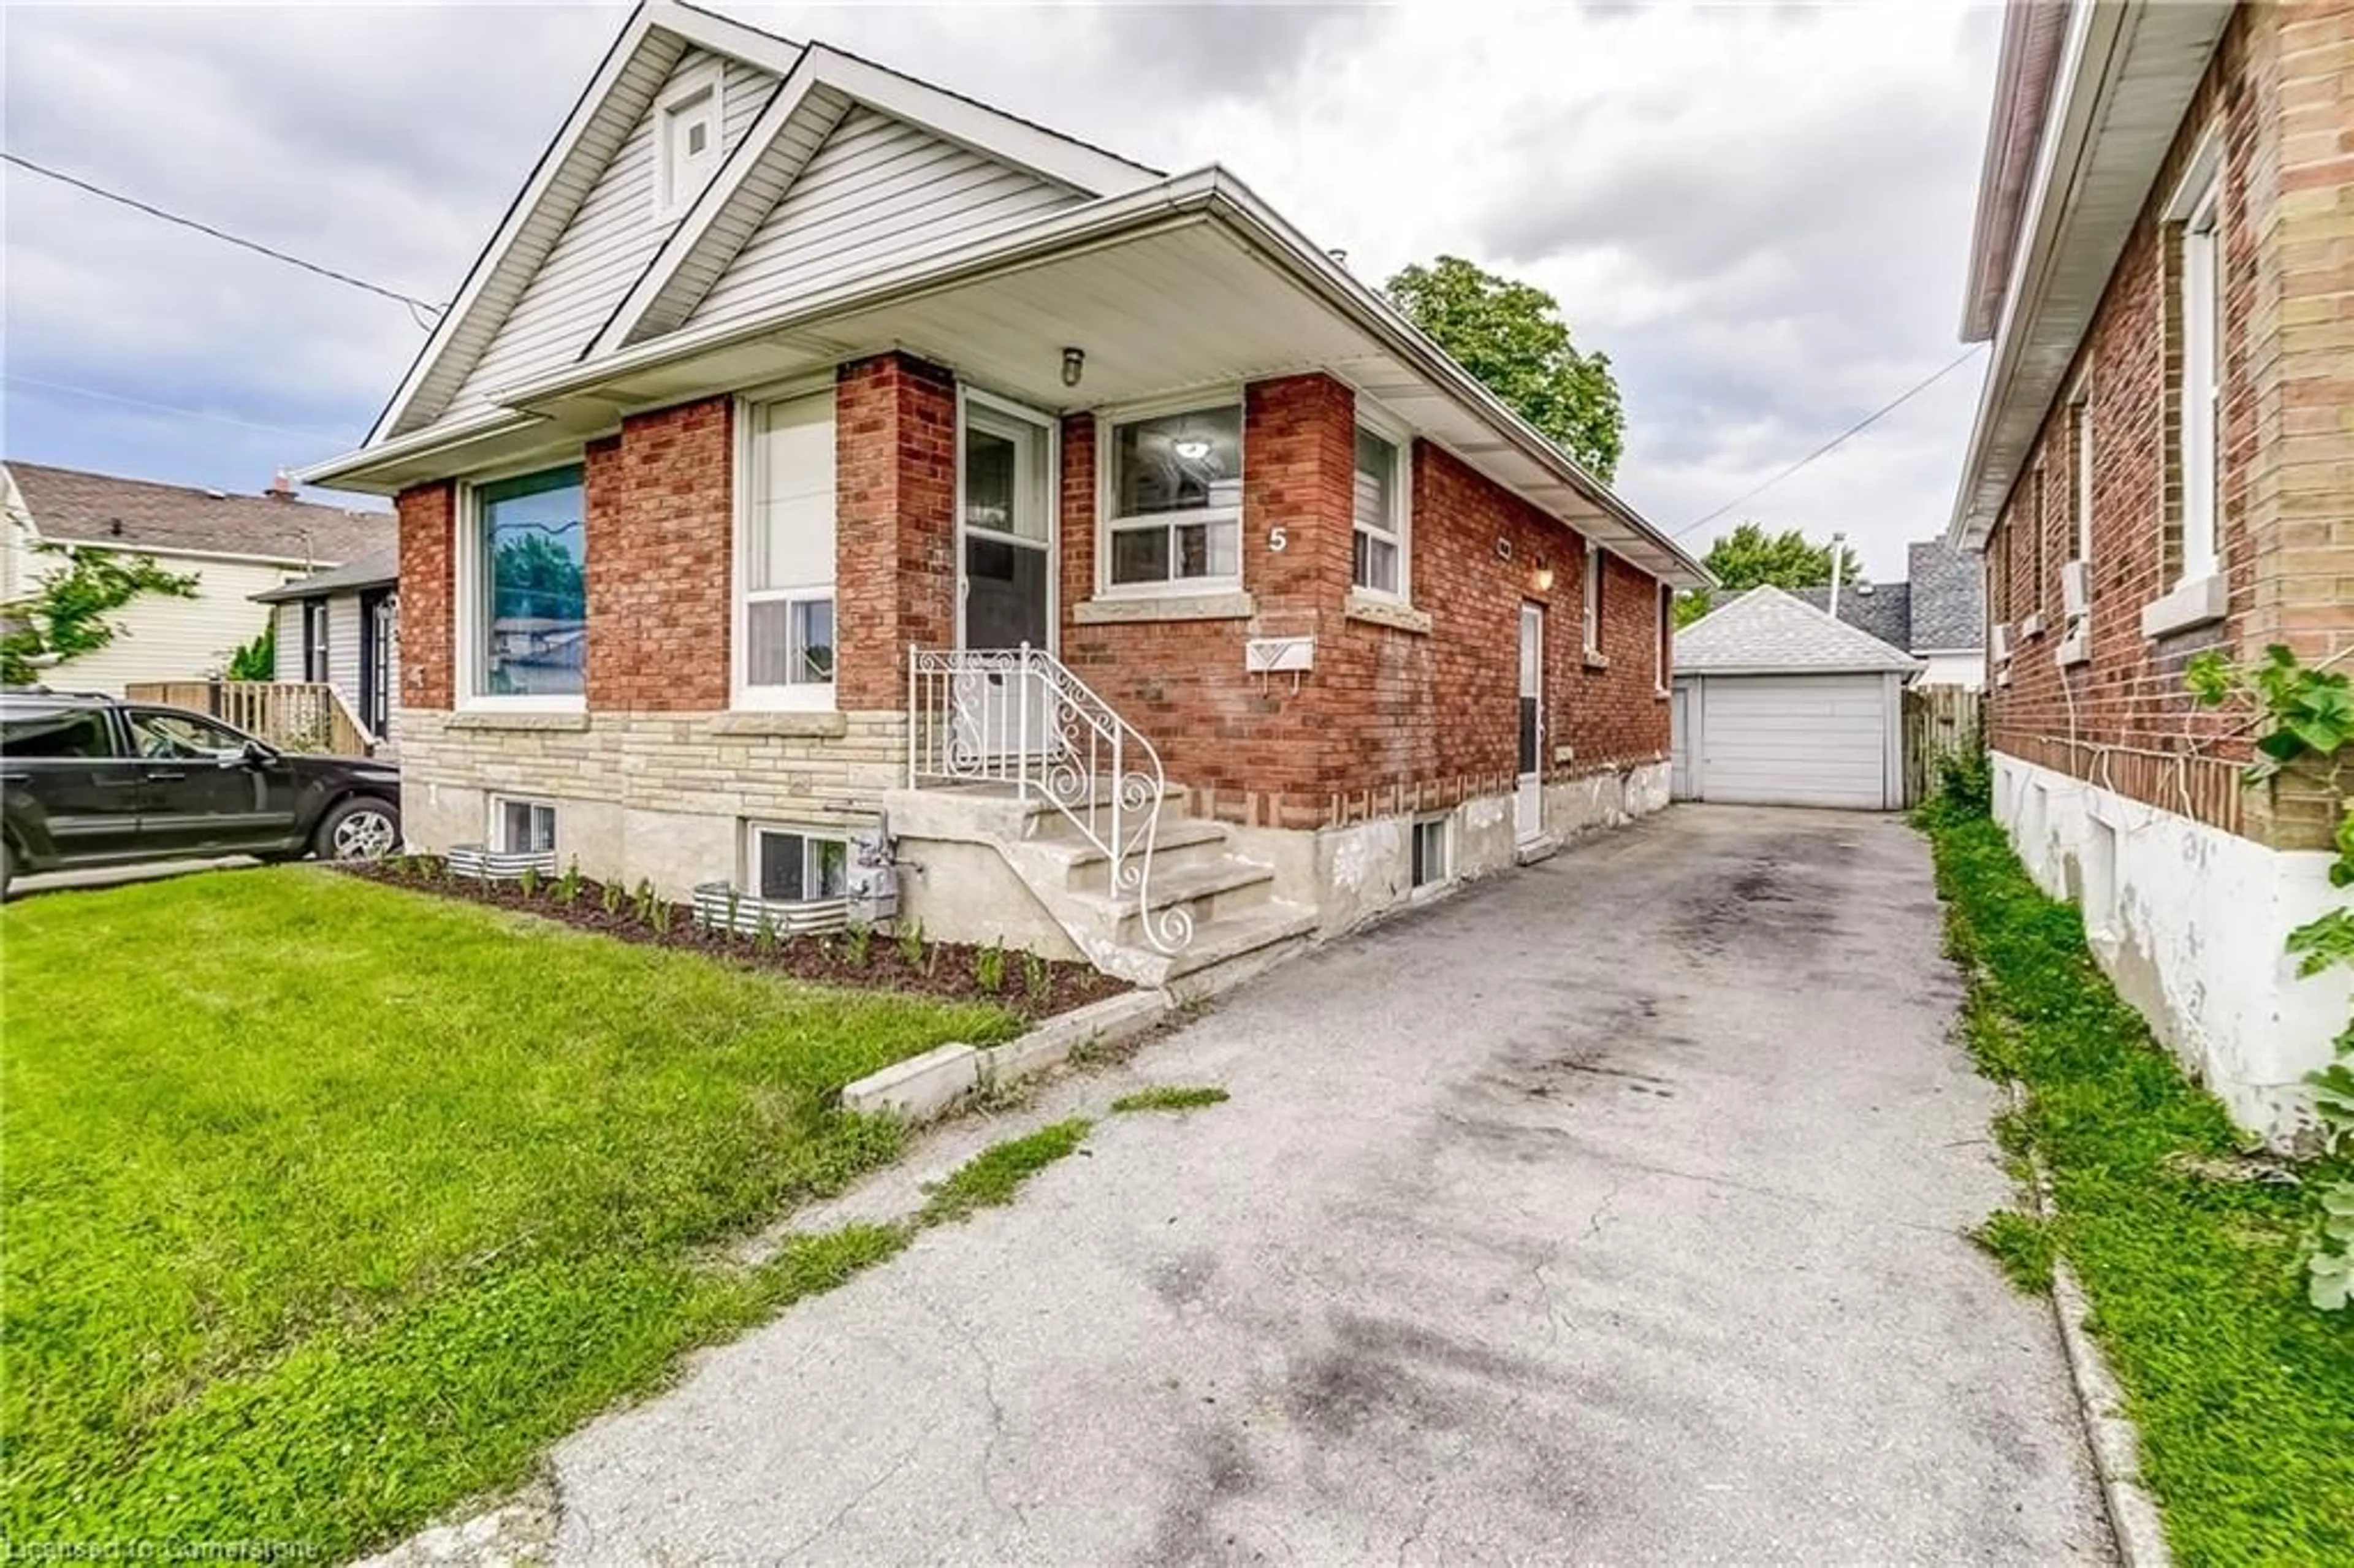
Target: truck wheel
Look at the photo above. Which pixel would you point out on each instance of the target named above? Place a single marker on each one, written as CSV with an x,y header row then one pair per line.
x,y
362,827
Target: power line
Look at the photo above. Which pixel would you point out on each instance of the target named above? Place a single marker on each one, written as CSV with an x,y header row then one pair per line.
x,y
15,380
256,246
1855,429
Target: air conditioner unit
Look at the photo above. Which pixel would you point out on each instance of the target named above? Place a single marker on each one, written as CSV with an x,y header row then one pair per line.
x,y
2001,634
2075,588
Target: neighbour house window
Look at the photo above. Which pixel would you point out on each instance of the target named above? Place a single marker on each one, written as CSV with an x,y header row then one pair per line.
x,y
530,629
2198,405
524,827
786,618
686,145
1379,562
1431,848
2039,521
314,640
1590,609
1663,650
793,865
1175,507
2080,457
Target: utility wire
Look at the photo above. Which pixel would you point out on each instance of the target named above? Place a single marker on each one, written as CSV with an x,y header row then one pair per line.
x,y
1855,429
137,206
15,380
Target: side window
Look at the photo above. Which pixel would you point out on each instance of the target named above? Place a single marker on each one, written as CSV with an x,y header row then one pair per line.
x,y
159,733
67,733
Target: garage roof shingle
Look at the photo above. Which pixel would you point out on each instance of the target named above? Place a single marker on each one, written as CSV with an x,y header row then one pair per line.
x,y
1766,631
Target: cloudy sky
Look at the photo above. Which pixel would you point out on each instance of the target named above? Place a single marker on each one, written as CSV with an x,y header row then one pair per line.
x,y
1758,210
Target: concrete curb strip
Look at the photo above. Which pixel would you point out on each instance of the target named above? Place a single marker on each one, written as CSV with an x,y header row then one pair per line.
x,y
2115,1445
923,1087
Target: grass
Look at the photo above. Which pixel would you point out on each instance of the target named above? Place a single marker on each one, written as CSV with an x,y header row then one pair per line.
x,y
2021,1245
993,1177
328,1207
1169,1097
2242,1392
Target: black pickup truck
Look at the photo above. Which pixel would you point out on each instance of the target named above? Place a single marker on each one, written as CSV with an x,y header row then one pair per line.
x,y
94,780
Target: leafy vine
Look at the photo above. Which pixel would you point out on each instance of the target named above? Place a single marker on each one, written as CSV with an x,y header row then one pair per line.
x,y
68,612
2305,714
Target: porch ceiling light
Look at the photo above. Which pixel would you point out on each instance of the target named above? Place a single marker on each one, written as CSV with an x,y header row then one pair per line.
x,y
1074,365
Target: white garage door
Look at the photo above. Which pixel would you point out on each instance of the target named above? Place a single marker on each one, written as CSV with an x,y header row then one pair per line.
x,y
1795,740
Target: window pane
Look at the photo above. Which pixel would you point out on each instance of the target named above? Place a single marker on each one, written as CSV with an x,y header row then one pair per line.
x,y
829,867
781,866
1376,481
1006,600
1140,555
526,827
1376,566
1207,549
535,585
813,642
789,643
182,734
1179,463
792,531
56,735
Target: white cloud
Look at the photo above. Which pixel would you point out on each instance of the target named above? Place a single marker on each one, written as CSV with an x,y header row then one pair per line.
x,y
1759,212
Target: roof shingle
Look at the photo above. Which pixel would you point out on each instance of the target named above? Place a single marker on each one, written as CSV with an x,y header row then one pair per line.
x,y
1767,631
70,506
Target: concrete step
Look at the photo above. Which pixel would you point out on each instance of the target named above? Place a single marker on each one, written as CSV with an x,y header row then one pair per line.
x,y
1229,952
1181,844
1211,891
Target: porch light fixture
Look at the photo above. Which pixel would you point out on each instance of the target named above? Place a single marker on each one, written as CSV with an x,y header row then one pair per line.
x,y
1544,576
1074,365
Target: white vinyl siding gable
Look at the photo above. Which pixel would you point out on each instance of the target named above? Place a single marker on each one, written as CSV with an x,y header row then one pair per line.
x,y
159,638
878,191
604,249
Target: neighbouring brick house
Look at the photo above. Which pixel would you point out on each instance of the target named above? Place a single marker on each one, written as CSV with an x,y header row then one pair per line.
x,y
813,452
2164,464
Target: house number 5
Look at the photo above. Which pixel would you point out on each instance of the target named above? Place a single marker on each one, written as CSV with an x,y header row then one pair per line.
x,y
1277,538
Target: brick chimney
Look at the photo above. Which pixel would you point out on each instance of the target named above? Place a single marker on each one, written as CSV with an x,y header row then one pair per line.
x,y
282,488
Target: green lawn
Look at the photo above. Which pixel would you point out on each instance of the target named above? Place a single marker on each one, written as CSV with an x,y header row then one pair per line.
x,y
2244,1393
328,1204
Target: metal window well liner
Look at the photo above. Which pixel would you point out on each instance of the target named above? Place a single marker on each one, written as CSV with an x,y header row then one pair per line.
x,y
720,907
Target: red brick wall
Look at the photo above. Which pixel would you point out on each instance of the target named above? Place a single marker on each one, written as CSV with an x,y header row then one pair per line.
x,y
895,524
660,533
2123,717
1389,719
426,513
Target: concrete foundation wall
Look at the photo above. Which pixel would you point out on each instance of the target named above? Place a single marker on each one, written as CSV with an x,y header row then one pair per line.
x,y
2190,922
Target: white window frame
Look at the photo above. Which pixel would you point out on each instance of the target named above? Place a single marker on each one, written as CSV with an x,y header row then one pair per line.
x,y
694,95
1589,598
750,879
1107,422
1663,621
2199,404
497,835
1378,423
799,696
1416,828
468,662
319,651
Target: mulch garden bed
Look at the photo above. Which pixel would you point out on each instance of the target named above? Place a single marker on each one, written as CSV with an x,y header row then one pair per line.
x,y
1023,984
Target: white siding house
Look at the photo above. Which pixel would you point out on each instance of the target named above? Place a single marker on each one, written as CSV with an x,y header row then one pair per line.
x,y
235,547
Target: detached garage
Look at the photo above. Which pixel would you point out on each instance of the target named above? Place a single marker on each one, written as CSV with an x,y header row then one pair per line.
x,y
1777,704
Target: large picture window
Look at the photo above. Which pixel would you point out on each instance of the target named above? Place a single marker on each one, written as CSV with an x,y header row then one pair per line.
x,y
1176,503
532,588
788,629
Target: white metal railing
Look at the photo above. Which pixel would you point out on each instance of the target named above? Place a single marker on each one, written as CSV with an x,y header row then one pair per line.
x,y
1019,717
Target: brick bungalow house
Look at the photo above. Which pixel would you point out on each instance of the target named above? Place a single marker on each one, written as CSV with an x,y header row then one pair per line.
x,y
818,466
2163,463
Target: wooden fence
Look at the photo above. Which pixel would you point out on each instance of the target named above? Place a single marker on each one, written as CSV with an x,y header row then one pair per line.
x,y
1939,722
294,715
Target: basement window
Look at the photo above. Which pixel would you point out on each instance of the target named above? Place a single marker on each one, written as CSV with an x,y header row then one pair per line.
x,y
1431,852
793,865
524,827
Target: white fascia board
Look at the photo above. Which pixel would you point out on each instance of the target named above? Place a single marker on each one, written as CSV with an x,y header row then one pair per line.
x,y
585,111
2097,55
985,131
348,470
724,36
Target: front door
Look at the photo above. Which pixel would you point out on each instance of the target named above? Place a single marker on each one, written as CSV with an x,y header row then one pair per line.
x,y
377,661
1529,804
1005,579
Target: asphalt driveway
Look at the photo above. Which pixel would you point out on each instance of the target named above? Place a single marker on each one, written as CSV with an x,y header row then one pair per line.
x,y
1606,1213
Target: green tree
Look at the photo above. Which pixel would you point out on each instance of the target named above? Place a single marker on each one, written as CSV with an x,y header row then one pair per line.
x,y
1510,335
69,609
257,659
1750,557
